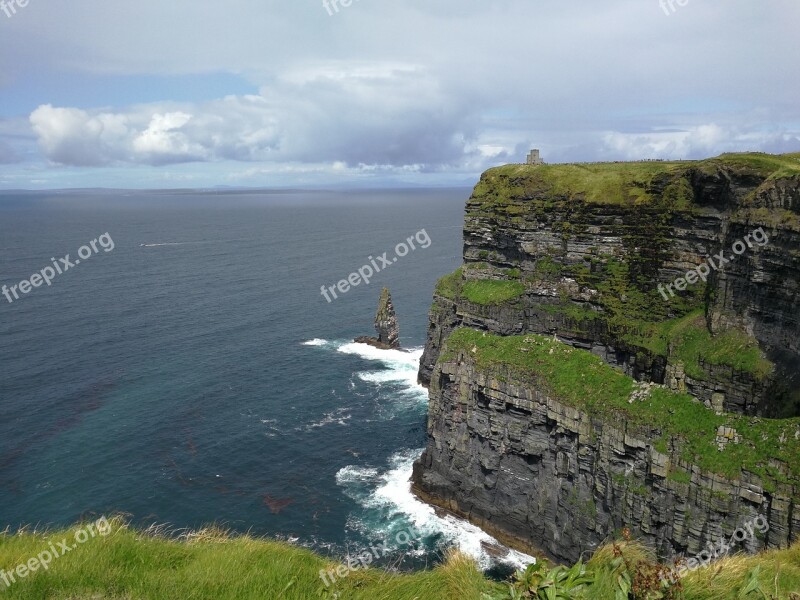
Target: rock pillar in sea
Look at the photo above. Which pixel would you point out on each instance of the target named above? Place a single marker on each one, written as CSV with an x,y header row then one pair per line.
x,y
386,321
385,324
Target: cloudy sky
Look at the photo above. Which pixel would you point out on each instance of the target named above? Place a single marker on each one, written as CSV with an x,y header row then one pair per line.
x,y
195,93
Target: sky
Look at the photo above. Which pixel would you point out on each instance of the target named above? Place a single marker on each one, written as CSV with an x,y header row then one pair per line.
x,y
372,93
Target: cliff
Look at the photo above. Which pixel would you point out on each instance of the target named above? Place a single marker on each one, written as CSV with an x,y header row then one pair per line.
x,y
672,440
579,251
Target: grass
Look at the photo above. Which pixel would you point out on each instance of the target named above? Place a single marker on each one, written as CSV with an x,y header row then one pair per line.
x,y
771,166
686,338
669,419
778,573
691,342
486,292
450,286
659,183
605,183
212,564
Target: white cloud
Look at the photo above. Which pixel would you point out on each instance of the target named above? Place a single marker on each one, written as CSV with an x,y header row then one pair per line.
x,y
365,115
163,140
73,136
696,142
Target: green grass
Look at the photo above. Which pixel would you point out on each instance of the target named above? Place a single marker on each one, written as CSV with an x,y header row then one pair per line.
x,y
679,476
582,380
771,166
659,183
450,286
605,183
491,292
486,292
778,574
687,336
213,565
691,342
129,564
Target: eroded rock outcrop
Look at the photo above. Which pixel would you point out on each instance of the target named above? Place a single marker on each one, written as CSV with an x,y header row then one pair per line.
x,y
385,324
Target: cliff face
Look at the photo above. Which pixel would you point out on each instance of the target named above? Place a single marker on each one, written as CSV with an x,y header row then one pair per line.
x,y
577,253
512,456
588,270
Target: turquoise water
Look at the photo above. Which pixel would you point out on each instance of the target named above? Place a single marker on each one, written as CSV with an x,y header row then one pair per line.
x,y
195,374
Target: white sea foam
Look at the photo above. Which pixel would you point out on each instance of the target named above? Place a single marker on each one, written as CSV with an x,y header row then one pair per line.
x,y
167,244
399,366
337,417
353,474
392,497
402,367
386,494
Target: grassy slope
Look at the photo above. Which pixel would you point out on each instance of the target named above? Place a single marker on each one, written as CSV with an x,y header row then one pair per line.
x,y
688,336
134,565
628,183
584,381
129,564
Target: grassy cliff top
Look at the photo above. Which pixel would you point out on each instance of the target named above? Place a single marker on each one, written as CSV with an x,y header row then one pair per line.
x,y
768,448
213,565
626,183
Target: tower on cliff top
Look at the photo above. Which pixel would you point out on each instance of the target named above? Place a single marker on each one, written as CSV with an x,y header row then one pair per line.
x,y
534,158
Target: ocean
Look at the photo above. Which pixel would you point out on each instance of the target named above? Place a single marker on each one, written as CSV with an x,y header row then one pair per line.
x,y
194,374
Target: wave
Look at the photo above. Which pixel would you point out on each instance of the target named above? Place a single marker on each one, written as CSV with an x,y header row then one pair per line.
x,y
337,417
400,367
154,245
388,502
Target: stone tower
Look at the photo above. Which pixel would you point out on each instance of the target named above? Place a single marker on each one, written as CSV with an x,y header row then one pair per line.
x,y
534,158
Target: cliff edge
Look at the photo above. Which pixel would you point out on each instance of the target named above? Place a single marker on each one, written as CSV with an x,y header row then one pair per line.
x,y
698,433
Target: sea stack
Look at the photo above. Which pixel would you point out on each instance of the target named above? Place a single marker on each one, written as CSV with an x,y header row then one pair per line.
x,y
385,324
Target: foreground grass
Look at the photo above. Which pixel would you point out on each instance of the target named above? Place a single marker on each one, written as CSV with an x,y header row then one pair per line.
x,y
129,564
775,574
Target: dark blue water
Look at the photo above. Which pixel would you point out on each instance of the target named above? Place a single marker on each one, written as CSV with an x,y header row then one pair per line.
x,y
195,374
